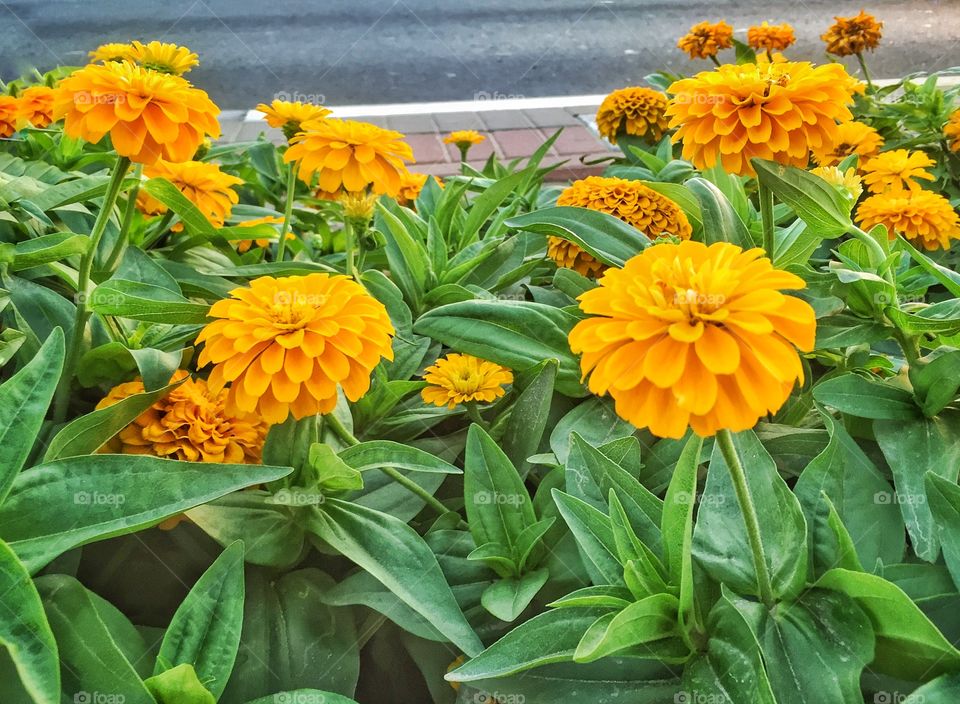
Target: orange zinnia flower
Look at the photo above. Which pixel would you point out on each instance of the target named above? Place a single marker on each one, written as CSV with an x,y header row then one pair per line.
x,y
896,170
770,37
952,131
36,105
706,39
288,116
635,111
10,116
853,35
204,185
852,137
925,218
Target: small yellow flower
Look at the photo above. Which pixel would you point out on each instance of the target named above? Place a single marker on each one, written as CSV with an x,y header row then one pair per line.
x,y
10,115
462,378
245,245
36,105
706,39
634,111
165,58
285,344
358,206
952,131
847,181
851,137
925,218
464,138
204,185
770,37
111,52
897,170
691,335
853,35
411,186
288,116
190,423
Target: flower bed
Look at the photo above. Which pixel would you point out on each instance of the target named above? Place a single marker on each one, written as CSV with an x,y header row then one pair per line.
x,y
296,424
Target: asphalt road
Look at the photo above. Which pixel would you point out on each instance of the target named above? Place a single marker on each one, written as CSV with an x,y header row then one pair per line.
x,y
382,51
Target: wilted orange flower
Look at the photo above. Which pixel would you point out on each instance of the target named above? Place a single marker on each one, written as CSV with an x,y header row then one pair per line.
x,y
288,116
245,245
36,105
896,170
852,137
148,115
635,111
464,138
770,37
925,218
462,378
853,35
694,335
112,52
411,185
706,39
285,344
166,58
190,423
350,155
204,185
10,116
777,111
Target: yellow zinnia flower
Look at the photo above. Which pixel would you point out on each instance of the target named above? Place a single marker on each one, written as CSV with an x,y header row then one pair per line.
x,y
851,137
694,335
770,37
166,58
350,155
462,378
464,138
285,344
897,170
635,111
650,212
706,39
190,423
358,206
36,105
775,110
925,218
410,186
112,52
10,115
245,245
288,116
148,115
204,185
853,35
952,131
848,181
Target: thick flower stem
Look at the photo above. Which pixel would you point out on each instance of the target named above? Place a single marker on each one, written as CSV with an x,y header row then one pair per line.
x,y
346,436
749,511
287,210
866,73
62,397
876,251
473,413
349,245
766,219
128,212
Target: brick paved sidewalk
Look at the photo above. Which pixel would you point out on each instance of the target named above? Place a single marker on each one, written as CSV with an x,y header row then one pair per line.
x,y
512,133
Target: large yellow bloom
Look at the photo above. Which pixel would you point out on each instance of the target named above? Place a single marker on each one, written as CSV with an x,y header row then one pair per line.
x,y
952,131
462,378
285,344
36,105
853,35
770,37
694,335
925,218
777,110
897,170
650,212
852,137
149,115
190,423
288,116
635,111
204,185
166,58
349,154
706,39
10,116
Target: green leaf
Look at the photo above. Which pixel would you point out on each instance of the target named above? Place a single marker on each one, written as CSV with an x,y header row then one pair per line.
x,y
484,205
912,449
547,638
515,334
63,504
819,204
595,540
908,645
851,393
943,690
507,598
205,631
406,258
720,542
376,454
528,418
396,555
720,221
598,597
147,302
944,496
683,197
24,399
25,631
595,420
642,623
46,249
329,472
603,236
189,214
936,381
179,685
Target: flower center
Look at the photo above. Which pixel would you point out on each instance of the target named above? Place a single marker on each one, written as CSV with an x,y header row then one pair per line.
x,y
293,310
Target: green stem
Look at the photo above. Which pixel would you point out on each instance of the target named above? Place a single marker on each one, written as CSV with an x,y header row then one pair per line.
x,y
876,251
766,219
909,345
464,150
866,73
159,230
349,245
128,212
473,413
749,511
62,397
287,210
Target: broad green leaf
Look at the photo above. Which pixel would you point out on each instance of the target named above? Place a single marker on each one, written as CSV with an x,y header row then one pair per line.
x,y
179,685
594,420
595,541
189,214
720,221
66,503
936,381
406,258
47,248
146,302
598,597
486,204
851,393
943,690
507,598
205,630
528,418
642,623
944,496
819,204
25,632
376,454
24,399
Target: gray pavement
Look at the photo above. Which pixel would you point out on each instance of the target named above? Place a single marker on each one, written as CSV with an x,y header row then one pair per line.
x,y
388,51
